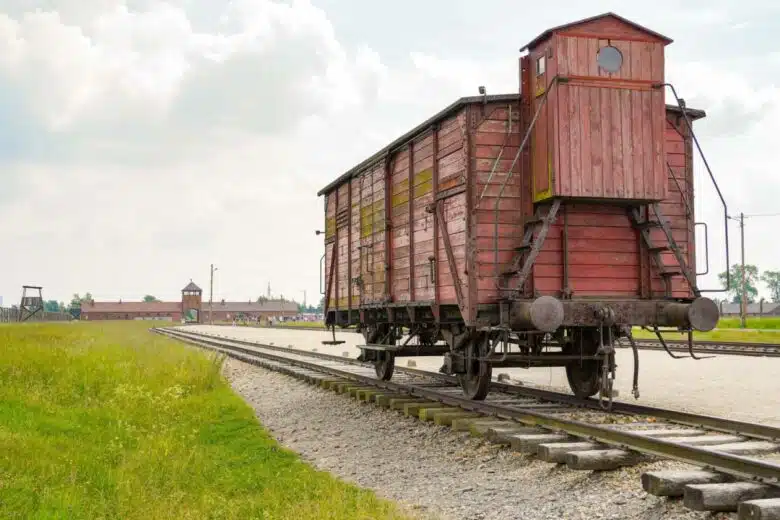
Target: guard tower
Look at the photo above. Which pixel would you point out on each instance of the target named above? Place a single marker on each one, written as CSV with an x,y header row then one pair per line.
x,y
191,299
30,305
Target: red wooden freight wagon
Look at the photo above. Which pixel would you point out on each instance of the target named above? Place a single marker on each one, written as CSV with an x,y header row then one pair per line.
x,y
529,229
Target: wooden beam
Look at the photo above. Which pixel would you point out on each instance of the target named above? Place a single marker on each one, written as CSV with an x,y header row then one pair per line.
x,y
435,276
411,222
388,229
450,256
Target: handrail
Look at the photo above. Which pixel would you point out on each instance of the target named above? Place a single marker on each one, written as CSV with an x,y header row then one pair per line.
x,y
553,82
681,105
706,248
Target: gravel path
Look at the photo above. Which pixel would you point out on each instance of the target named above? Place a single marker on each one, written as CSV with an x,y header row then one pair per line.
x,y
437,473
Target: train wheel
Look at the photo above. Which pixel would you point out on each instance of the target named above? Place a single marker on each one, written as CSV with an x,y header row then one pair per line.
x,y
476,384
384,365
584,376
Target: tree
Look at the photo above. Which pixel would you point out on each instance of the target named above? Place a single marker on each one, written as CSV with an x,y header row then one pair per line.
x,y
150,298
77,300
735,287
51,306
772,280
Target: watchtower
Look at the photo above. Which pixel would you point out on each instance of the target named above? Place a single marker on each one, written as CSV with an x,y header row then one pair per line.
x,y
30,305
191,299
595,84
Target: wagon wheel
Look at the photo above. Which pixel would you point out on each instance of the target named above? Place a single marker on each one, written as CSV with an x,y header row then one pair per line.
x,y
584,376
475,383
384,362
384,365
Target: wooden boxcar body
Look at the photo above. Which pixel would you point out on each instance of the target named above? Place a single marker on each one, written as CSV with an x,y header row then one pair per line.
x,y
526,229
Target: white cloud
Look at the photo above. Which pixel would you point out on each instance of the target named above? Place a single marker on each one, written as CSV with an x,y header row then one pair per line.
x,y
263,67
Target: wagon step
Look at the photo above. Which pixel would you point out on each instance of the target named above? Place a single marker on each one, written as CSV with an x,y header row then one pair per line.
x,y
536,219
333,341
522,264
658,249
644,226
647,224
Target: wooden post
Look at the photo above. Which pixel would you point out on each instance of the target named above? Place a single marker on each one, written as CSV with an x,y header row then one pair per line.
x,y
743,306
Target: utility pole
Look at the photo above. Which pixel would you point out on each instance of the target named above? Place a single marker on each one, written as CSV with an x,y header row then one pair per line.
x,y
211,293
743,306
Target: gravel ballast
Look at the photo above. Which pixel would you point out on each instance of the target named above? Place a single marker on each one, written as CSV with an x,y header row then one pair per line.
x,y
433,471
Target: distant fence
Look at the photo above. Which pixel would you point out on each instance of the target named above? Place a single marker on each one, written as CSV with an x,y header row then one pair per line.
x,y
12,315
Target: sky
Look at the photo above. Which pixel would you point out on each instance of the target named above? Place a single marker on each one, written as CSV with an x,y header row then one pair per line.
x,y
143,140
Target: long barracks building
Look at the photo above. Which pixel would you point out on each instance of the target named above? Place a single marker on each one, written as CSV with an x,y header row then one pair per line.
x,y
191,308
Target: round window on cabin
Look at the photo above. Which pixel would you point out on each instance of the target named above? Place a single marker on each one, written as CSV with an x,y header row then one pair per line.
x,y
610,59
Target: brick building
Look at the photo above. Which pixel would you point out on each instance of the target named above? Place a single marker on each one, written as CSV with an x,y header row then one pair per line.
x,y
191,308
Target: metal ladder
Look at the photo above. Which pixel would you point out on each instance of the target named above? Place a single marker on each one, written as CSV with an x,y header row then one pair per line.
x,y
645,226
531,245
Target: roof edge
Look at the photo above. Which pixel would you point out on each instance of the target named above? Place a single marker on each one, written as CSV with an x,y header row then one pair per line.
x,y
414,132
548,32
693,113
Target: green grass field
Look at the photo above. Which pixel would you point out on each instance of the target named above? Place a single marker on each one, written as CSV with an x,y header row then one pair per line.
x,y
767,323
107,420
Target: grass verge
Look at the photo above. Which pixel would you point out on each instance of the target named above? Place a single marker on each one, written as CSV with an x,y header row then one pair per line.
x,y
730,335
765,323
107,420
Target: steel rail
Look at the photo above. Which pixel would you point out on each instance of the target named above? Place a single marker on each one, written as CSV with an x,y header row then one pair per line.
x,y
698,344
758,431
725,348
738,466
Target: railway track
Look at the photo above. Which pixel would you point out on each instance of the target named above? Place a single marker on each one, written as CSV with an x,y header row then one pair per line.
x,y
731,348
739,462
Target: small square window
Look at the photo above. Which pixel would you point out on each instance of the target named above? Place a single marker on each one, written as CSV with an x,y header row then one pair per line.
x,y
540,63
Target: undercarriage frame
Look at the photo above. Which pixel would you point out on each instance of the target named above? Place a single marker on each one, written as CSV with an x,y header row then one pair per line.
x,y
579,335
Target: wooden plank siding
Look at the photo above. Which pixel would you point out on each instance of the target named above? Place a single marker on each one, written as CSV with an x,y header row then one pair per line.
x,y
452,160
372,234
603,248
497,145
411,246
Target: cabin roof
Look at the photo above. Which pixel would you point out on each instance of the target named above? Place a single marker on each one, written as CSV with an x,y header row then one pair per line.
x,y
546,34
